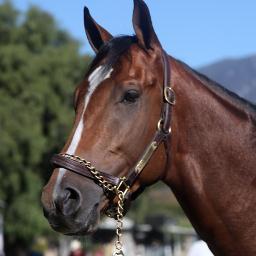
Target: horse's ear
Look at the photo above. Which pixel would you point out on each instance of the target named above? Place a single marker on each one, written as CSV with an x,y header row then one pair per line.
x,y
143,27
96,34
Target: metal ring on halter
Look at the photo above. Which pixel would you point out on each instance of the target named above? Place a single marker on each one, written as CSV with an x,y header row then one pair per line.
x,y
160,127
169,95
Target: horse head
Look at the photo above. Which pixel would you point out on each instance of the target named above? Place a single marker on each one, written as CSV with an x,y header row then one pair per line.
x,y
118,106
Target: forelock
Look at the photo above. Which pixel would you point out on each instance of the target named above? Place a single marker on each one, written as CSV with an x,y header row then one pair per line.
x,y
111,52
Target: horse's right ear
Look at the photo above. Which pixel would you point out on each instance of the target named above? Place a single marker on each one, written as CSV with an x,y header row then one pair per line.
x,y
96,34
143,26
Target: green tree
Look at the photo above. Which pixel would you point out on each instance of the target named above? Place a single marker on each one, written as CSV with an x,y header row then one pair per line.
x,y
40,65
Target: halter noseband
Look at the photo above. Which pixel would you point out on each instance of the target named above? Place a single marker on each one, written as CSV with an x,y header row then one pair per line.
x,y
120,186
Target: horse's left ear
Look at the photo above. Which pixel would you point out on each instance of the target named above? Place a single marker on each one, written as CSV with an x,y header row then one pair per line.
x,y
96,34
143,27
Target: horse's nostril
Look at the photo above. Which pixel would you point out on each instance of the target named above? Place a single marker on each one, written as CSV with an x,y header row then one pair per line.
x,y
68,201
73,194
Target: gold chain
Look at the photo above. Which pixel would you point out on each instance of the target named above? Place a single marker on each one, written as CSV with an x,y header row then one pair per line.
x,y
109,187
119,226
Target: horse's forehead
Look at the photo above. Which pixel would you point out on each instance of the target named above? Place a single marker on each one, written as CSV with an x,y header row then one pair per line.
x,y
139,65
130,65
138,58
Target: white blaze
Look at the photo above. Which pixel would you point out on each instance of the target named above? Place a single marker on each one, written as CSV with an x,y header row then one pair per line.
x,y
95,79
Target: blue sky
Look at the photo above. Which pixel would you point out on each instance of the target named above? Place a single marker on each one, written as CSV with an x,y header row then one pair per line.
x,y
197,32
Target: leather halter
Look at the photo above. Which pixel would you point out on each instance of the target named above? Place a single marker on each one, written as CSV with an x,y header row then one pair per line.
x,y
123,184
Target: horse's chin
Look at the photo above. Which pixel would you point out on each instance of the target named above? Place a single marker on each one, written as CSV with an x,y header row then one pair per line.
x,y
76,230
82,232
78,225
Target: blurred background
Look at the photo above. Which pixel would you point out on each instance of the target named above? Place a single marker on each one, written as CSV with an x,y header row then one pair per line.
x,y
43,56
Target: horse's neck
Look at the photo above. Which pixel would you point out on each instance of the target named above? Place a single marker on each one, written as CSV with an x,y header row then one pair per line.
x,y
213,163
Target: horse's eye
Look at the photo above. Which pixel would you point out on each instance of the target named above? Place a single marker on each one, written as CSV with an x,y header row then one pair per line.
x,y
130,96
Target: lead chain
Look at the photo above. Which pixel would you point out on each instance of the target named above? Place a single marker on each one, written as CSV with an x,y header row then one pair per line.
x,y
119,226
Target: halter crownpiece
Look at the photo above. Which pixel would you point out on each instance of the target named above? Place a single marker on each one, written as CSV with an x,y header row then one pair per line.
x,y
120,186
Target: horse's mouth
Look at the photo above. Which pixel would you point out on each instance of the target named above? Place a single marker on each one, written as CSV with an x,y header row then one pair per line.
x,y
75,225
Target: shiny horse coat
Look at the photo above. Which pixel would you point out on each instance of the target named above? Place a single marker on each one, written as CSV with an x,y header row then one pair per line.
x,y
211,159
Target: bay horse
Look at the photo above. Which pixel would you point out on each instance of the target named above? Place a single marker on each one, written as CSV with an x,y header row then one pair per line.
x,y
128,127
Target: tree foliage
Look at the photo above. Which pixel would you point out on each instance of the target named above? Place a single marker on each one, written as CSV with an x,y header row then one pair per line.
x,y
40,65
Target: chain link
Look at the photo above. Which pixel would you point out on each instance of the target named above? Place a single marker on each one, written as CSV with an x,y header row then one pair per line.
x,y
112,188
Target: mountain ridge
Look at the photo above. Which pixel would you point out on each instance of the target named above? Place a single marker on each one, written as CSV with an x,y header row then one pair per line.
x,y
237,75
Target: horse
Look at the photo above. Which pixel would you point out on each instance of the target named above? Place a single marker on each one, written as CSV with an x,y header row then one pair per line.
x,y
143,116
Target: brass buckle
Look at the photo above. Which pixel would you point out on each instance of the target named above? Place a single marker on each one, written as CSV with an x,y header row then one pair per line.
x,y
169,95
122,186
160,127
